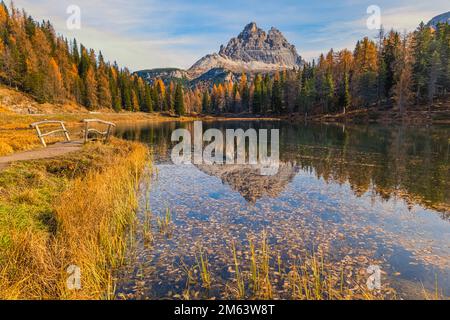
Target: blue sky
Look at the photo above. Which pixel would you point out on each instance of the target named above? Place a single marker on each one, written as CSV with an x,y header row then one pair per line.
x,y
175,33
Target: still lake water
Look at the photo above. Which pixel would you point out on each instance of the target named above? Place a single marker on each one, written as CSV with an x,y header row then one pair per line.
x,y
360,195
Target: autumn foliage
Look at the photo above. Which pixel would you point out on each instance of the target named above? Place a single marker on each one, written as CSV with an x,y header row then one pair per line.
x,y
394,70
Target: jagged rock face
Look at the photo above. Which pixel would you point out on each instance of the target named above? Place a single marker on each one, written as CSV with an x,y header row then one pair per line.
x,y
253,50
442,18
215,76
253,44
216,61
247,180
166,74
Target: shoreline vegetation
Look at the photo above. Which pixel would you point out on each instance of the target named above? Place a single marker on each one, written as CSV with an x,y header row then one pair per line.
x,y
16,134
76,209
73,210
396,78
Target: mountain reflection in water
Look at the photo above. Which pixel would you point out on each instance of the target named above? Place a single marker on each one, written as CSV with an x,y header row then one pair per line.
x,y
363,194
410,163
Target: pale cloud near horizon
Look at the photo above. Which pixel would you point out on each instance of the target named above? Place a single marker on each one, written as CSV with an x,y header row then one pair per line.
x,y
144,34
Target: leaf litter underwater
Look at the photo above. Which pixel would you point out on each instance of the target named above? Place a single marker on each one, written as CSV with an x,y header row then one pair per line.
x,y
344,200
309,218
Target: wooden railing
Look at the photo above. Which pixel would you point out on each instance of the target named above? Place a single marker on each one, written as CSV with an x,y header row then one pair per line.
x,y
41,135
105,134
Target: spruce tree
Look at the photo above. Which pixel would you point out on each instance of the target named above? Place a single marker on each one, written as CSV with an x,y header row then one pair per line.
x,y
257,95
277,94
421,51
179,100
205,102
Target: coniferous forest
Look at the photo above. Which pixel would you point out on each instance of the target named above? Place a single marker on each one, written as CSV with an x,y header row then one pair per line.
x,y
395,70
164,184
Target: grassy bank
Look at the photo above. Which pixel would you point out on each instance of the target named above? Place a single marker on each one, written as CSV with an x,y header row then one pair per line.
x,y
16,134
67,211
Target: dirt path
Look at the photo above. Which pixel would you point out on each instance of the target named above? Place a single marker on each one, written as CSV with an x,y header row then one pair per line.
x,y
51,151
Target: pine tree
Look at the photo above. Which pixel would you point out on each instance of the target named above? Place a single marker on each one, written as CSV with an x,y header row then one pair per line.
x,y
257,94
55,82
381,74
90,84
103,91
244,93
391,44
134,101
206,102
445,56
365,77
221,97
345,95
155,98
291,91
75,52
161,90
179,100
434,72
422,40
237,102
266,93
277,94
402,89
52,68
148,103
169,97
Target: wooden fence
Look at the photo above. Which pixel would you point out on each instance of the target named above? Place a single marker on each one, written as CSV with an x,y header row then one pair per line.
x,y
105,134
37,126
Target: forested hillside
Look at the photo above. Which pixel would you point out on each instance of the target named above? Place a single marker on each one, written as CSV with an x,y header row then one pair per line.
x,y
53,69
396,70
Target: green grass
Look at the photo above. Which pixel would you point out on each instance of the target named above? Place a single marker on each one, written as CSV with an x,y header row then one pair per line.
x,y
203,265
165,223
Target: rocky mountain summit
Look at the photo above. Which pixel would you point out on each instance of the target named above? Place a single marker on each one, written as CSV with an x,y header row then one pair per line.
x,y
442,18
253,50
253,44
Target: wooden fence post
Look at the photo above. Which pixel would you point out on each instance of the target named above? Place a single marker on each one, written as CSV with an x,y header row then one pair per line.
x,y
86,131
66,133
41,138
41,135
104,134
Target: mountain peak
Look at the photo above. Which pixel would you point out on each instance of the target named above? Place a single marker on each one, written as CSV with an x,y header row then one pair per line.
x,y
253,50
442,18
274,30
253,44
251,27
250,31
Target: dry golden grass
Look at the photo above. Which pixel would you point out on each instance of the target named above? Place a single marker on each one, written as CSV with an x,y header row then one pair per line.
x,y
21,140
69,211
16,134
13,100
